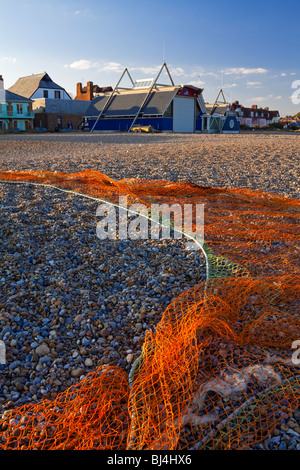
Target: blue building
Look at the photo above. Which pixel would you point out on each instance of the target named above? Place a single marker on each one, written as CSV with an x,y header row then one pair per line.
x,y
160,107
166,108
15,111
221,117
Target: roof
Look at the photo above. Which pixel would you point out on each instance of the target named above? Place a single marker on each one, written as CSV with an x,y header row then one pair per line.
x,y
48,105
127,103
26,86
218,108
6,95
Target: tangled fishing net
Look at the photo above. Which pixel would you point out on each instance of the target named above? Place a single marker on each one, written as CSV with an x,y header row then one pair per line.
x,y
218,372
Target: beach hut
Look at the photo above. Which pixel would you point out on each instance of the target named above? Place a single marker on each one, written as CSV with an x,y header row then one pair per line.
x,y
220,117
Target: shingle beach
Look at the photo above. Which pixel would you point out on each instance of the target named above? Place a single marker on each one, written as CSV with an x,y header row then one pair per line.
x,y
71,302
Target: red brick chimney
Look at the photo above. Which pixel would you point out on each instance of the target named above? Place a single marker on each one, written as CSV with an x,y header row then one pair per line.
x,y
78,91
85,93
254,106
89,92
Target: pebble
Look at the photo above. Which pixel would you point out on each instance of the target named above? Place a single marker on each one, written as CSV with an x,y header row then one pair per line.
x,y
268,161
70,303
82,302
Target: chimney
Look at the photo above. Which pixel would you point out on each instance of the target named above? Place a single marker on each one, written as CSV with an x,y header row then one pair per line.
x,y
89,87
254,106
1,83
78,90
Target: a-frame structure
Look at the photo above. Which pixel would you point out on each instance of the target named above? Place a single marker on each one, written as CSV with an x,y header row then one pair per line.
x,y
154,84
217,101
110,97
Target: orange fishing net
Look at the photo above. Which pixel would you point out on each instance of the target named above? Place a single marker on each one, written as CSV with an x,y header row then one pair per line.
x,y
219,370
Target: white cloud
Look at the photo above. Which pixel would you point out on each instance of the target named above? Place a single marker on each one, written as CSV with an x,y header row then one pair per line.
x,y
149,71
110,67
229,85
264,98
210,74
198,83
84,64
8,59
177,71
253,84
244,71
283,74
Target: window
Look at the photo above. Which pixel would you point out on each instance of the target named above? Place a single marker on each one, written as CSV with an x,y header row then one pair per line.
x,y
251,114
9,109
19,108
45,93
57,94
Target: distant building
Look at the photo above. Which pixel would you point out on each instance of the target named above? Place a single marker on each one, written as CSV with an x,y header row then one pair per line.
x,y
56,115
89,91
256,116
221,117
290,122
15,110
39,86
148,103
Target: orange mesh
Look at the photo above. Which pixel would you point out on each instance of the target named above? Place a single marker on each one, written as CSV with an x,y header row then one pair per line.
x,y
218,371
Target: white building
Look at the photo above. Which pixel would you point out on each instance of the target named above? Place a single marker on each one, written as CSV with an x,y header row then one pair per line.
x,y
39,86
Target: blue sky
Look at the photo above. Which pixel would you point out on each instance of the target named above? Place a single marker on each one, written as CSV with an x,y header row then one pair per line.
x,y
250,48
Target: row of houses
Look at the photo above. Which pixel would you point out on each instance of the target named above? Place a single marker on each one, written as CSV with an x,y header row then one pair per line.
x,y
36,101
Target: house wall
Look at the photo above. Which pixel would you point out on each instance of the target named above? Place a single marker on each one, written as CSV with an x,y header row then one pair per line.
x,y
39,93
183,115
14,115
123,124
163,124
15,124
54,121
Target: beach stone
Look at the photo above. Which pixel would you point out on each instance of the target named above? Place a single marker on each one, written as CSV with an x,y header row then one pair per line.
x,y
129,358
76,373
42,350
57,274
88,362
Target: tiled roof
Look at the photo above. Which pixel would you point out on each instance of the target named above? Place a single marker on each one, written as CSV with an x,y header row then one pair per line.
x,y
60,106
129,103
26,86
9,96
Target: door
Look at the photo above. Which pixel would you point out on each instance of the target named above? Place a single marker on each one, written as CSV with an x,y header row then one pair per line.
x,y
59,122
183,115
